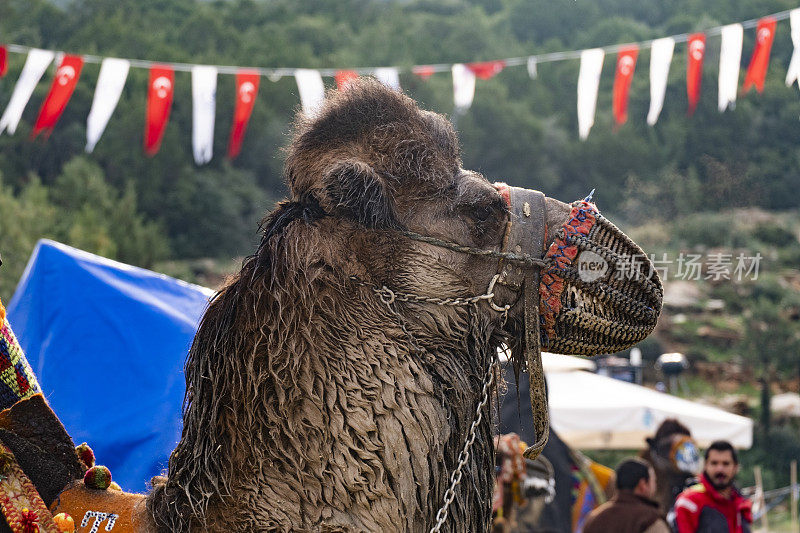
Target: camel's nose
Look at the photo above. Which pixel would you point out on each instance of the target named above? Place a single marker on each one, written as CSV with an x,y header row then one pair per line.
x,y
557,216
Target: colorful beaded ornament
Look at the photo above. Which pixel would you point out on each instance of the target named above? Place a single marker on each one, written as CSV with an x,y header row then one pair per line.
x,y
17,381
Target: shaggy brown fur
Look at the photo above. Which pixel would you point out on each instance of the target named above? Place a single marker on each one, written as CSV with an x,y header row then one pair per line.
x,y
308,408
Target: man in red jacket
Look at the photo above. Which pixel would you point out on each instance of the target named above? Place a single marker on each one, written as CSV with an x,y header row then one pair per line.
x,y
714,505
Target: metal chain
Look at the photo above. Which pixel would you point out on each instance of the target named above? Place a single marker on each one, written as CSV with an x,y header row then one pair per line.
x,y
402,321
463,457
389,298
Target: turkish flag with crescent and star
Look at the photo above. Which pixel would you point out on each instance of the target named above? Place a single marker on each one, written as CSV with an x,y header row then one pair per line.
x,y
67,74
3,61
626,64
759,62
159,103
246,91
694,69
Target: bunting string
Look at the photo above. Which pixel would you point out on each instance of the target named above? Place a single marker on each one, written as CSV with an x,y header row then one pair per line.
x,y
275,73
114,71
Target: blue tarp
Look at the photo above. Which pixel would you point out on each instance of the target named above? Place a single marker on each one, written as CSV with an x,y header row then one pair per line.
x,y
107,342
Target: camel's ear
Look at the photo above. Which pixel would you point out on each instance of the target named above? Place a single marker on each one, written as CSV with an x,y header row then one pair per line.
x,y
354,190
651,442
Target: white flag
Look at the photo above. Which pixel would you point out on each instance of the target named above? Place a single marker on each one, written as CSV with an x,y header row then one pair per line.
x,y
204,98
312,90
588,83
660,60
32,72
793,74
533,70
113,73
730,59
463,87
389,76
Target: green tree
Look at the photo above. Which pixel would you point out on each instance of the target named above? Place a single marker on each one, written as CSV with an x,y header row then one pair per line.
x,y
771,343
98,219
80,209
24,219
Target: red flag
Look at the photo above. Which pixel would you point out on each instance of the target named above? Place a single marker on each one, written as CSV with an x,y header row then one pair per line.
x,y
423,71
757,70
159,103
694,69
60,92
246,92
486,69
3,61
626,64
344,77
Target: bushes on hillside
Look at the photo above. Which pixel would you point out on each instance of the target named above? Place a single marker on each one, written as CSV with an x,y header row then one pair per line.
x,y
80,209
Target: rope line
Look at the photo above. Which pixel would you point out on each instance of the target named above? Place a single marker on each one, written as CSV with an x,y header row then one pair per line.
x,y
525,259
275,73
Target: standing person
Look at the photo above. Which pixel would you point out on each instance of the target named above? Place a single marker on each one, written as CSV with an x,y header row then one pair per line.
x,y
633,509
714,505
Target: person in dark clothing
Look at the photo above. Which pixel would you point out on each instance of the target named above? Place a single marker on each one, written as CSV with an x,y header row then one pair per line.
x,y
714,505
632,510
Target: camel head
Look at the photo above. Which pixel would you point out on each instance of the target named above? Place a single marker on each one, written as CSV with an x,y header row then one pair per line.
x,y
389,173
674,455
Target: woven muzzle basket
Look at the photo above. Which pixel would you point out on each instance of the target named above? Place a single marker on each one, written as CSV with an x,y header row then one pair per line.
x,y
598,311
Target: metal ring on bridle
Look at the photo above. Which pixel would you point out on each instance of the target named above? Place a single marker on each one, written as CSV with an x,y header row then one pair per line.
x,y
490,296
386,295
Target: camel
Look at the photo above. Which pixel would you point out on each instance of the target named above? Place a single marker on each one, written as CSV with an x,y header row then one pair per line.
x,y
311,404
674,455
317,399
341,380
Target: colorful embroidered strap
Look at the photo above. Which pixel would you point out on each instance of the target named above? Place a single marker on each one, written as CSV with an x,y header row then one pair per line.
x,y
581,221
17,380
22,507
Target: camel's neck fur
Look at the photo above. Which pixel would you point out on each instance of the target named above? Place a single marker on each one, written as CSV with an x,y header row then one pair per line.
x,y
308,409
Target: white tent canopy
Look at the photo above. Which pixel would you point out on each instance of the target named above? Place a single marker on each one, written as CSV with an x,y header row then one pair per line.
x,y
595,412
554,362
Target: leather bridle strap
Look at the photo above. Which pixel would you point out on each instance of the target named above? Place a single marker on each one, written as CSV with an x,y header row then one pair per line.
x,y
527,236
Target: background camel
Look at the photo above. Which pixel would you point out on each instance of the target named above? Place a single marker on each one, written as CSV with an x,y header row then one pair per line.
x,y
580,484
674,455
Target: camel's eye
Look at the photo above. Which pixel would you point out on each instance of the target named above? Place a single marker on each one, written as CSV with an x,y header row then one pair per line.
x,y
483,213
486,211
486,219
